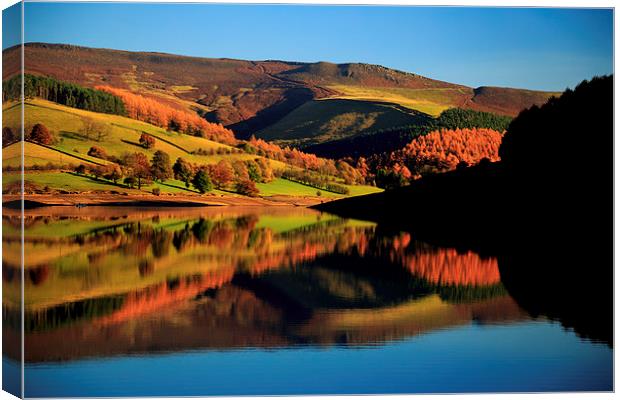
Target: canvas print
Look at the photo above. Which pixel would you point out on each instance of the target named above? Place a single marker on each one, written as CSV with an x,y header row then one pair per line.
x,y
251,199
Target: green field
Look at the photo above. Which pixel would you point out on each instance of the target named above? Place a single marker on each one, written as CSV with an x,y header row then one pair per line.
x,y
285,187
359,190
71,182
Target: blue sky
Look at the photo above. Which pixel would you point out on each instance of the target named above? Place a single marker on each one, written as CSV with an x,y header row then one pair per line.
x,y
548,49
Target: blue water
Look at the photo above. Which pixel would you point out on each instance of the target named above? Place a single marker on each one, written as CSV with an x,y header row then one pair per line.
x,y
527,356
11,376
282,301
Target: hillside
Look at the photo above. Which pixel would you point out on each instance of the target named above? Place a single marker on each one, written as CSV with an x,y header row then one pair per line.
x,y
382,142
321,121
252,96
51,167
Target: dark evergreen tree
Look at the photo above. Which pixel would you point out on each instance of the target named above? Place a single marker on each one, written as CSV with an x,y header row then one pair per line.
x,y
64,93
202,182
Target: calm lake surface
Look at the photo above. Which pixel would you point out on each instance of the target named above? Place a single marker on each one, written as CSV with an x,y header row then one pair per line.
x,y
282,300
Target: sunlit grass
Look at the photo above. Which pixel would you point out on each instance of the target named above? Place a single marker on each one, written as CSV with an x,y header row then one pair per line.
x,y
124,135
429,101
285,187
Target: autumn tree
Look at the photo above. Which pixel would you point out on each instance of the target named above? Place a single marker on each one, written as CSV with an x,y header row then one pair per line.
x,y
98,171
160,166
147,141
446,148
247,187
113,172
221,174
362,168
349,174
183,171
439,151
241,170
138,166
202,181
41,134
266,171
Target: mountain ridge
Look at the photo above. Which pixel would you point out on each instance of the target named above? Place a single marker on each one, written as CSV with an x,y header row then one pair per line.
x,y
252,96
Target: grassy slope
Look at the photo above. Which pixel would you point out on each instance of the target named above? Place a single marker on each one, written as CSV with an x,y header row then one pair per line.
x,y
124,135
324,120
39,155
430,101
280,186
67,122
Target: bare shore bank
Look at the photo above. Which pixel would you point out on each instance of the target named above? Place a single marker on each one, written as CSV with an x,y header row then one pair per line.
x,y
104,199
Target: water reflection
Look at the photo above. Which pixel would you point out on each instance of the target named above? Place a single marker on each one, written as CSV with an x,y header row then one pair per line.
x,y
104,282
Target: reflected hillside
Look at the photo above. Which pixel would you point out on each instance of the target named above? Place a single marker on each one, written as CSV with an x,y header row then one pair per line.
x,y
233,317
130,281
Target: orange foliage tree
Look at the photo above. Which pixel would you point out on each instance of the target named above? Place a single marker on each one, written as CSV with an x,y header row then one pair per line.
x,y
151,111
445,149
438,151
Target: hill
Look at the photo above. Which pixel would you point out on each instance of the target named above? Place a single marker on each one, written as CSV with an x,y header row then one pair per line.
x,y
321,121
51,167
250,96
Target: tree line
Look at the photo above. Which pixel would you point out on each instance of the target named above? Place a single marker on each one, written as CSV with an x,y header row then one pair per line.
x,y
64,93
439,151
322,166
136,170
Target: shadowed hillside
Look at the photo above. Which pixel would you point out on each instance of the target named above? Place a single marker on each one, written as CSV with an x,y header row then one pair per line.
x,y
325,121
546,208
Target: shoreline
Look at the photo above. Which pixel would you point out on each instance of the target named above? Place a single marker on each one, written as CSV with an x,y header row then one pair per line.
x,y
13,201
